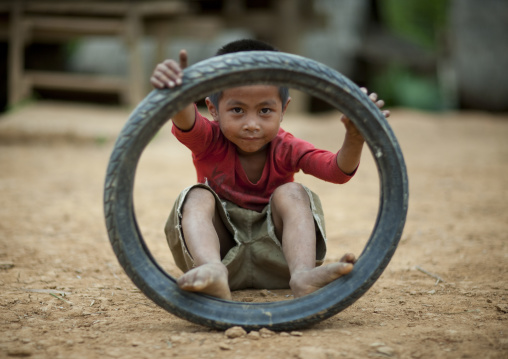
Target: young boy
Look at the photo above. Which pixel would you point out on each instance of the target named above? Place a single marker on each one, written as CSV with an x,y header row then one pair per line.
x,y
246,224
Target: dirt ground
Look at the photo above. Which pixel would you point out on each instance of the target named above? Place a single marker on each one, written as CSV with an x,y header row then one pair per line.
x,y
64,295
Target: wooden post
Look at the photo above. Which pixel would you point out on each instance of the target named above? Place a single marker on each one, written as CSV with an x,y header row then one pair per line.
x,y
16,63
135,91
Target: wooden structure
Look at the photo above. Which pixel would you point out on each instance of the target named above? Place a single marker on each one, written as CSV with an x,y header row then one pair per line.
x,y
60,21
280,22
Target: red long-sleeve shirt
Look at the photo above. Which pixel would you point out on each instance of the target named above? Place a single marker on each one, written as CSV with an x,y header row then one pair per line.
x,y
217,163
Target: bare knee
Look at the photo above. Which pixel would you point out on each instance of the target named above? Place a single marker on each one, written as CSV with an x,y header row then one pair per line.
x,y
200,209
290,196
199,201
289,202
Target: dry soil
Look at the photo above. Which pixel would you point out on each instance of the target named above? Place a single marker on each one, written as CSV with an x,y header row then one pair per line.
x,y
64,295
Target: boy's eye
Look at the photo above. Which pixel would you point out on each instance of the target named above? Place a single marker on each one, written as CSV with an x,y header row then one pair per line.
x,y
265,111
237,110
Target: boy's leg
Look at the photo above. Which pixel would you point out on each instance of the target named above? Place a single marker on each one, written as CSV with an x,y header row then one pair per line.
x,y
207,240
294,226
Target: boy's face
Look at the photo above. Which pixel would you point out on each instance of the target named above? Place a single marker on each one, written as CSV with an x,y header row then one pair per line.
x,y
249,116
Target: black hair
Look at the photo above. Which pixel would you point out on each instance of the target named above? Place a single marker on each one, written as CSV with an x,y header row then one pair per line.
x,y
247,45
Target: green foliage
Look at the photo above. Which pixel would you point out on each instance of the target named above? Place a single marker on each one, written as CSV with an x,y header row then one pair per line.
x,y
417,20
421,22
401,87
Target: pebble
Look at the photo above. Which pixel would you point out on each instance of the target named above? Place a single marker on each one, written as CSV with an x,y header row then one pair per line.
x,y
19,352
178,339
386,350
264,293
266,333
235,332
296,334
225,346
254,335
6,265
503,308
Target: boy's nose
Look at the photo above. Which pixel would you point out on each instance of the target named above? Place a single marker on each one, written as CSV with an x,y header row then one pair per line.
x,y
251,124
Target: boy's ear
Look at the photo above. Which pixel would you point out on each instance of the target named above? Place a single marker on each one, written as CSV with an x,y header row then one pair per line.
x,y
284,108
212,109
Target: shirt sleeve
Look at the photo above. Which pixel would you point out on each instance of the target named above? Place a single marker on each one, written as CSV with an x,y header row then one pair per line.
x,y
323,165
200,137
319,163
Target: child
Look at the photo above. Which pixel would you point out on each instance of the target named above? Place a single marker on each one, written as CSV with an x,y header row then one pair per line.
x,y
246,224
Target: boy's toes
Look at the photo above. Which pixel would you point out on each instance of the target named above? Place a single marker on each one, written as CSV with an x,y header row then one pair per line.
x,y
344,268
348,258
185,282
189,285
211,279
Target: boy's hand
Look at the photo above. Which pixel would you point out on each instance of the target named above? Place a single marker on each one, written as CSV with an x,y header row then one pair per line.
x,y
351,128
379,103
169,73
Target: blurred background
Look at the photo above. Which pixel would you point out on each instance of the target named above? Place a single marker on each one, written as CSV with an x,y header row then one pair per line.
x,y
432,55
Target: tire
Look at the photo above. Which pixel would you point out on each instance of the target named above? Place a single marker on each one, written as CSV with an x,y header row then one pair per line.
x,y
241,69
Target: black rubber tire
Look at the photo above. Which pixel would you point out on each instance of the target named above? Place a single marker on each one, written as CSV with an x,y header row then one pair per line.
x,y
240,69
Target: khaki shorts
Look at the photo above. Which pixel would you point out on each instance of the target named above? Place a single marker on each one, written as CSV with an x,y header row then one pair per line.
x,y
257,260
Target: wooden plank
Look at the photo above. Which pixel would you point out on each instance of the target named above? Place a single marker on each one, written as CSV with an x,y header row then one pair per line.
x,y
69,81
71,26
117,8
162,8
108,8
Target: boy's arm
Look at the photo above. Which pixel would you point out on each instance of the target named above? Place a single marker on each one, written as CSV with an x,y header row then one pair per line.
x,y
349,155
169,74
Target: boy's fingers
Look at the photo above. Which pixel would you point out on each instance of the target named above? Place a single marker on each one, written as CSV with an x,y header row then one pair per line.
x,y
183,64
379,103
170,68
161,77
156,82
169,72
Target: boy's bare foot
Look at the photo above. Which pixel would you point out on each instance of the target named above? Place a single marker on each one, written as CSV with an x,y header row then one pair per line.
x,y
308,281
209,278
